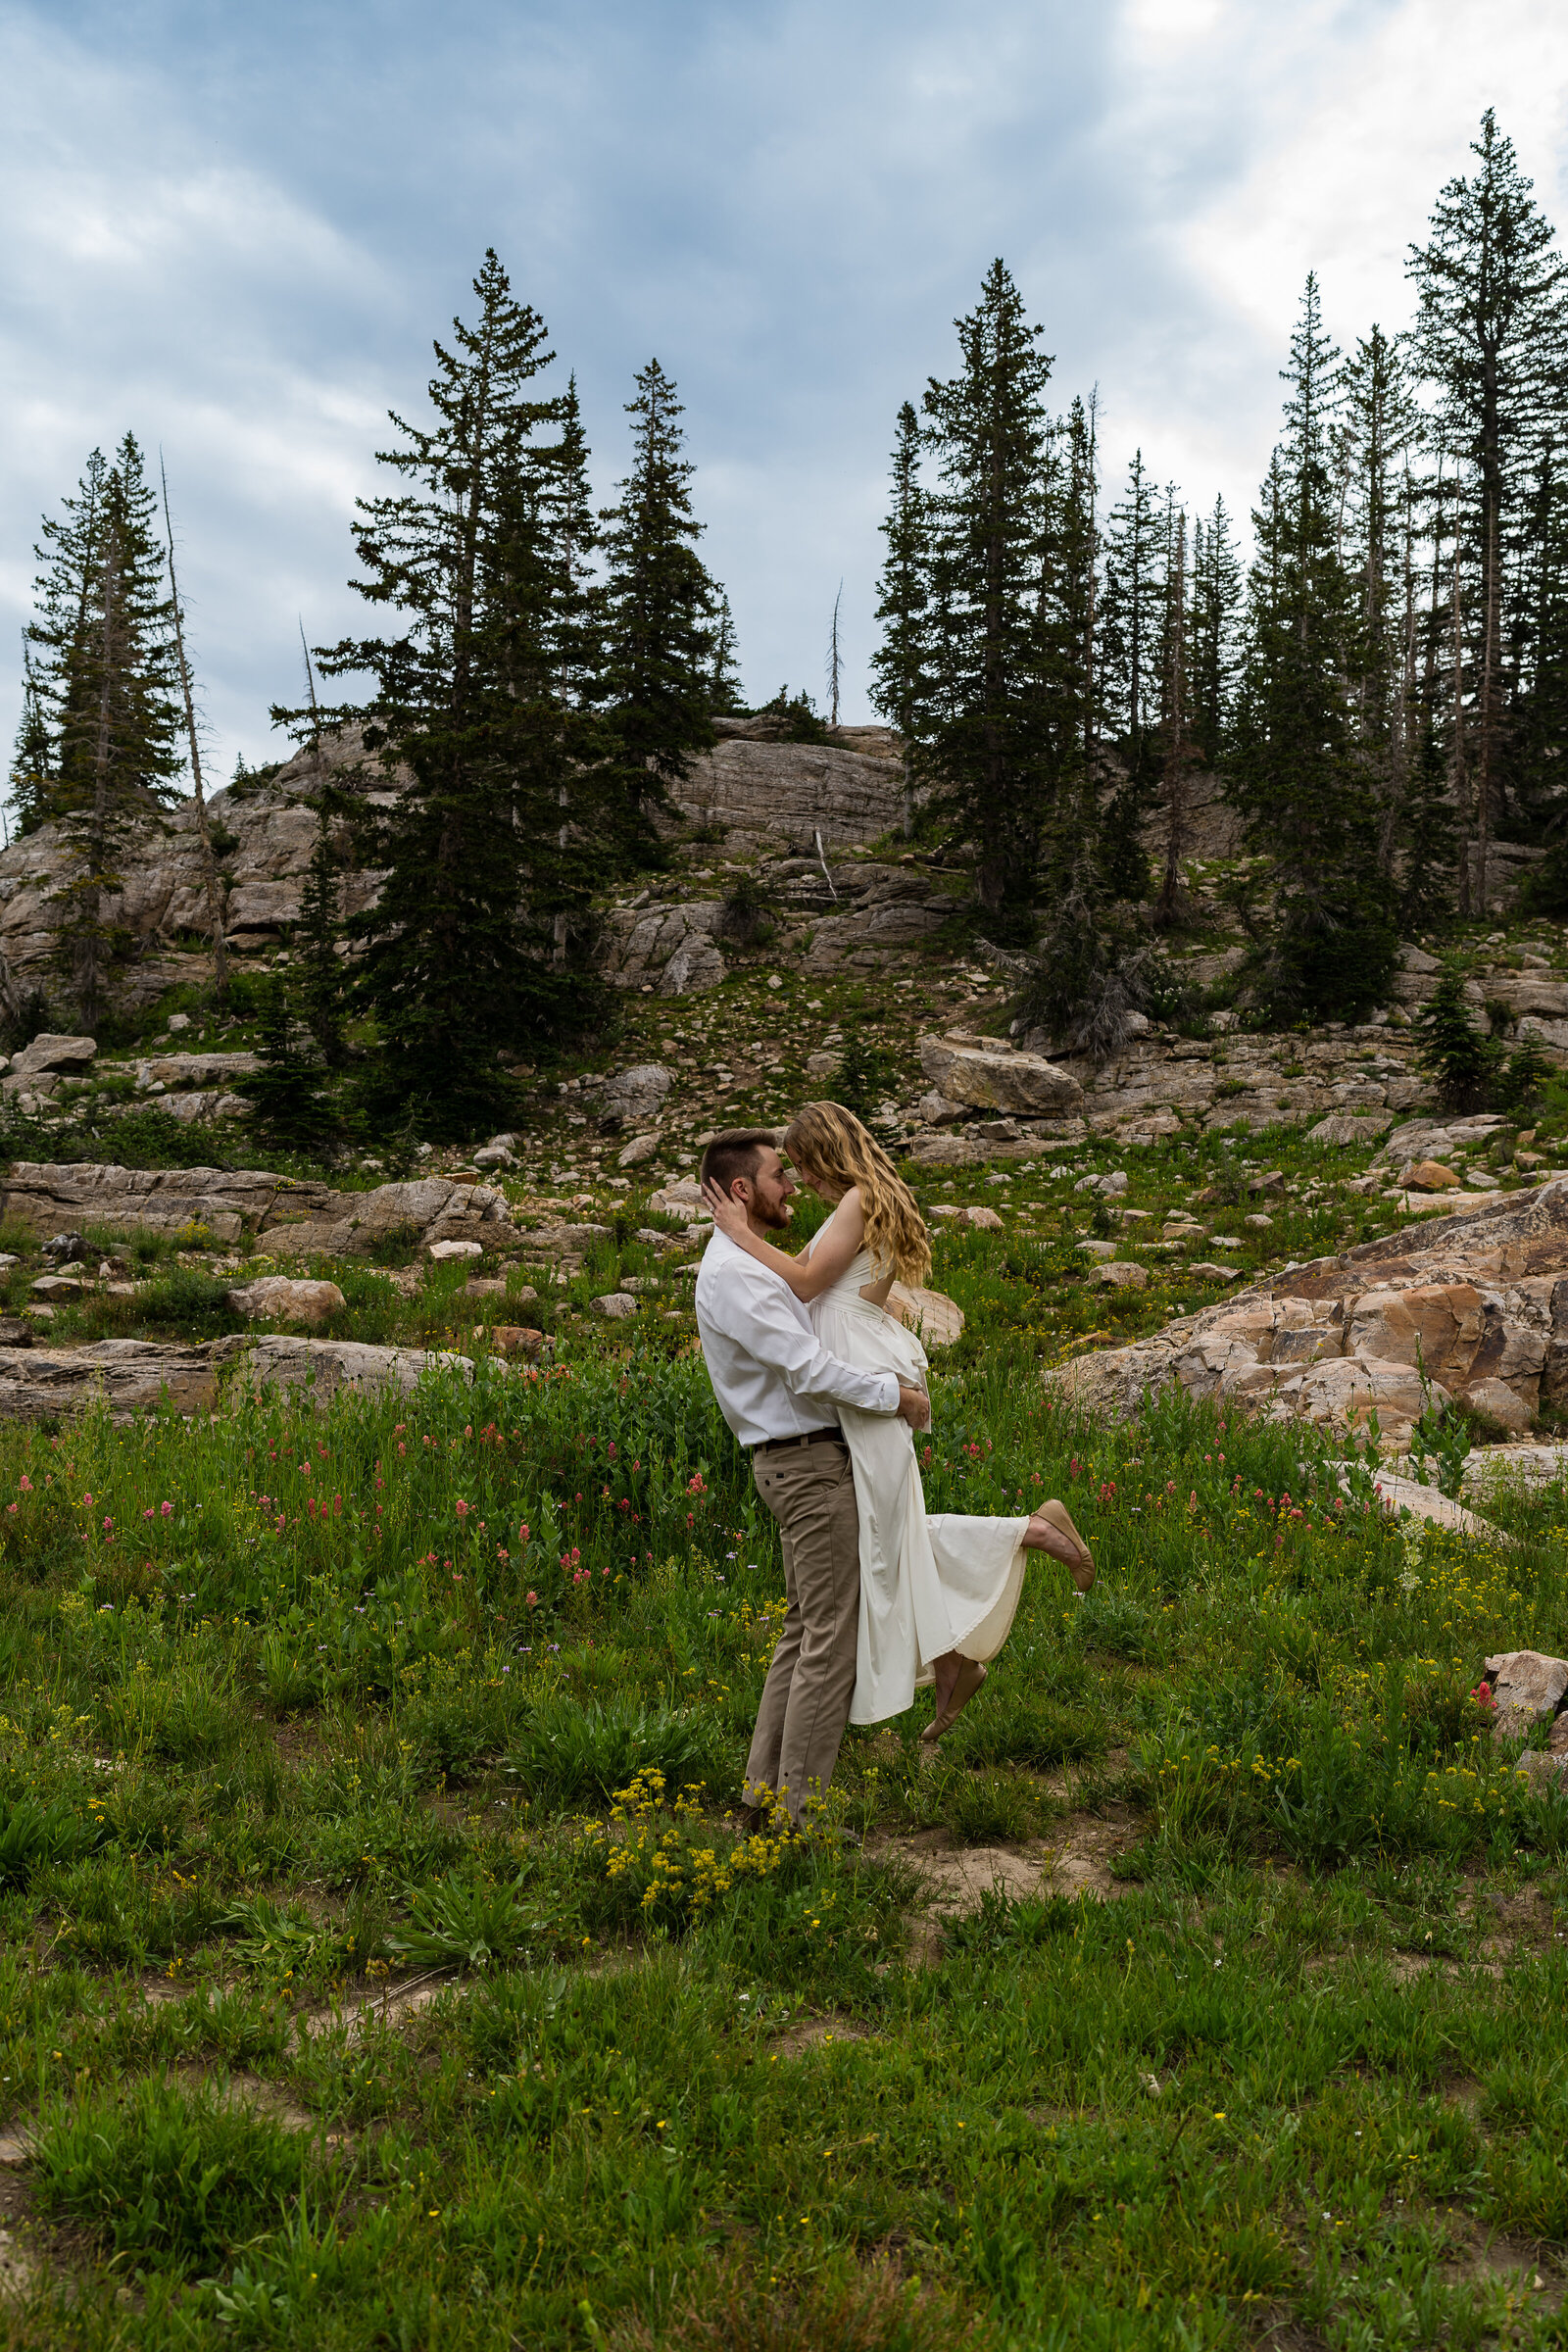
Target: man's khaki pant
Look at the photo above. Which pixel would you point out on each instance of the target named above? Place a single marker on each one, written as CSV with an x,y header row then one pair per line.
x,y
805,1701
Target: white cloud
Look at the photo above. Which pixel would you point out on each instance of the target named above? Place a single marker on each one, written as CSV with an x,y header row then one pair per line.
x,y
236,231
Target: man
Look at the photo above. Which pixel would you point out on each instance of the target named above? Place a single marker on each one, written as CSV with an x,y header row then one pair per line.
x,y
779,1389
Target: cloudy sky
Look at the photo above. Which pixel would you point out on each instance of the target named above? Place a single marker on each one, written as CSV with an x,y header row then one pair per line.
x,y
236,229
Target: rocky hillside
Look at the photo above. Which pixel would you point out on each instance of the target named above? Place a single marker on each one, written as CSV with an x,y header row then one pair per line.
x,y
766,798
1240,1213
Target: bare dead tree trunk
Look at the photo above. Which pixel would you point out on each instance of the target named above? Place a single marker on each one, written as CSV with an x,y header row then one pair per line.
x,y
834,661
214,908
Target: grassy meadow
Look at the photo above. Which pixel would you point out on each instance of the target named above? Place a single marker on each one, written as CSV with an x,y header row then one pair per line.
x,y
381,1965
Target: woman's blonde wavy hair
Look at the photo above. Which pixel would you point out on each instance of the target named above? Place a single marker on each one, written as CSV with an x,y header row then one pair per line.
x,y
824,1140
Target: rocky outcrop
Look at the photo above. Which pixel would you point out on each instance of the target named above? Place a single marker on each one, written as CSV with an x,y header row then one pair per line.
x,y
770,795
264,830
856,911
1476,1306
250,1205
141,1376
276,1298
985,1077
1159,1084
1529,1693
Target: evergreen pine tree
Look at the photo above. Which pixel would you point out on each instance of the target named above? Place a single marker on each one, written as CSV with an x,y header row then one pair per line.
x,y
1178,753
32,781
1492,338
107,684
1134,602
724,694
1296,773
322,990
1130,676
901,665
658,606
292,1110
1540,729
996,738
572,537
1215,659
1452,1048
461,953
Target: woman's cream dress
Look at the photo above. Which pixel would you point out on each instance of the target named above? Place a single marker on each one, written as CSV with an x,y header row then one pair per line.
x,y
927,1583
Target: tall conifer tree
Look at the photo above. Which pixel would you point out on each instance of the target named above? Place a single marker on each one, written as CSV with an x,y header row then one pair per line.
x,y
1296,775
32,760
107,683
901,682
1492,337
996,735
658,606
1215,655
461,953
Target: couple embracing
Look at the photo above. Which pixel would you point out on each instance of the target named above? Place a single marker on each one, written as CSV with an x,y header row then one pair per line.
x,y
824,1384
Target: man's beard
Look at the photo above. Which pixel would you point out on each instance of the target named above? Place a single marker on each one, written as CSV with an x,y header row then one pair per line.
x,y
775,1216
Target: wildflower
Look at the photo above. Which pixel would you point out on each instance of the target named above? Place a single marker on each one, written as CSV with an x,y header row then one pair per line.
x,y
533,1600
167,1510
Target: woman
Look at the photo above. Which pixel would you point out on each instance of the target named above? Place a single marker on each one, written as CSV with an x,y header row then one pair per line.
x,y
937,1595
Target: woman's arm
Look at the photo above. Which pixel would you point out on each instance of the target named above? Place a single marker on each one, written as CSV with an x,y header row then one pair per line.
x,y
808,1277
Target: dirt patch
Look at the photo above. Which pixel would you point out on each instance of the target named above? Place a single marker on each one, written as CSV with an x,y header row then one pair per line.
x,y
393,2005
19,2271
1076,1861
272,2101
1520,2263
816,2033
1083,1849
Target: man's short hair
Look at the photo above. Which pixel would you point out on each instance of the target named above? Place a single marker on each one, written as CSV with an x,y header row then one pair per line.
x,y
736,1152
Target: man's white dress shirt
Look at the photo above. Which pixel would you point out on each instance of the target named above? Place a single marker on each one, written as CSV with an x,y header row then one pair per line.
x,y
771,1374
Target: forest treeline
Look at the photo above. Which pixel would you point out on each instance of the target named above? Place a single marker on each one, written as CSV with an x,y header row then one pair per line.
x,y
1380,687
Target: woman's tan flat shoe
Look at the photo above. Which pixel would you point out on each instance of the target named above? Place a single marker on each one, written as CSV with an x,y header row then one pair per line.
x,y
1060,1518
970,1676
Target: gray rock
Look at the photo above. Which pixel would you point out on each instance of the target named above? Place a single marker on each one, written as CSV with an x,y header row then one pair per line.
x,y
1528,1687
1121,1274
187,1071
326,1366
635,1096
695,966
995,1080
1351,1127
641,1148
247,1203
277,1299
617,1306
39,1066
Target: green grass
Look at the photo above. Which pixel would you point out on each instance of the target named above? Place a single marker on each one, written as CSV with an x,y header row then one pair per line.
x,y
458,1690
453,1693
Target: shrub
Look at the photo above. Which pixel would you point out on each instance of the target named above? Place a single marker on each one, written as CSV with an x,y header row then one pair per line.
x,y
1452,1048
